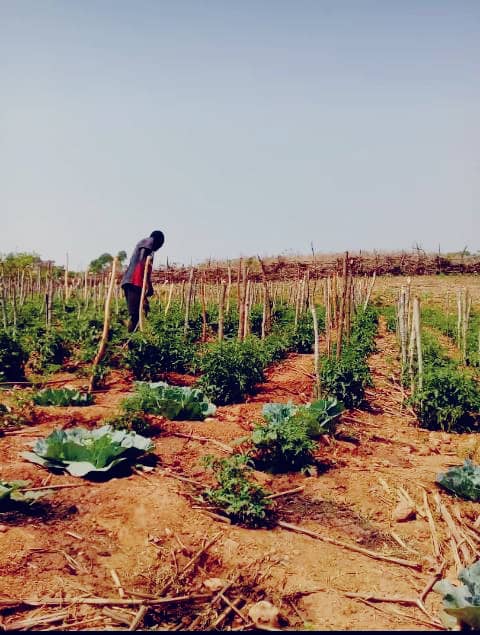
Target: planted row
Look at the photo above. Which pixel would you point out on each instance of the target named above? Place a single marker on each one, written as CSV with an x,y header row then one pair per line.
x,y
347,377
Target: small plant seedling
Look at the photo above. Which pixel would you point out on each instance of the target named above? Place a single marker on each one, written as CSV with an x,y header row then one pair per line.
x,y
243,501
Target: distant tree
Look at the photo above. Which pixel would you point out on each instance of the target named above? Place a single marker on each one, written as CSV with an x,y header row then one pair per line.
x,y
18,261
121,256
101,263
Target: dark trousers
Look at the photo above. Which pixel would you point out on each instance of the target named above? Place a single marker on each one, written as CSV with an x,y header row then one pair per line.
x,y
132,296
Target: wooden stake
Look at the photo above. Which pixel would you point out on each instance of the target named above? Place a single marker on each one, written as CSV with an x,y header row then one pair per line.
x,y
141,309
341,319
106,324
220,310
316,355
187,302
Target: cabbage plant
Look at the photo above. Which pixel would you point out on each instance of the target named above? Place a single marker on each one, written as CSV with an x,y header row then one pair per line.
x,y
62,397
81,452
462,480
461,604
172,402
319,417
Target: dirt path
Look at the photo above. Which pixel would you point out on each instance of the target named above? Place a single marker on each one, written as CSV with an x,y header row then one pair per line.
x,y
147,527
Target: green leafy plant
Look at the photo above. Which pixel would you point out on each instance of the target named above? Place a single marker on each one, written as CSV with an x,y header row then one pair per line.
x,y
173,402
364,329
152,353
48,350
319,417
230,370
62,397
135,421
12,492
390,315
12,358
242,500
302,337
281,446
81,452
462,480
461,604
346,378
449,400
275,347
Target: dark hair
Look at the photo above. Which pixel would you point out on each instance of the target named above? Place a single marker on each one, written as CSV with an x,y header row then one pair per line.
x,y
158,239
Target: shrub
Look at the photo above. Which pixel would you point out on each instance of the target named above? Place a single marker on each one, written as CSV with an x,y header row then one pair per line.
x,y
12,359
132,421
302,337
150,354
48,350
449,400
275,347
243,501
231,369
364,329
346,378
283,443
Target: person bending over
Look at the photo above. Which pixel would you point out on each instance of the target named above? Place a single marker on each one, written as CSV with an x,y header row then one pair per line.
x,y
132,280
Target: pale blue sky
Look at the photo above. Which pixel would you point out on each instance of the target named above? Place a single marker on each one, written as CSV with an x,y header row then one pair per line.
x,y
238,126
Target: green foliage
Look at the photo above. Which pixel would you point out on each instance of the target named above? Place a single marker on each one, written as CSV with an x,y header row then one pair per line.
x,y
319,417
122,256
303,337
275,347
12,358
447,324
81,452
152,353
283,443
473,334
173,402
436,318
48,349
433,353
346,378
101,263
134,421
390,315
243,501
449,400
12,492
462,603
364,329
13,262
462,480
230,370
62,397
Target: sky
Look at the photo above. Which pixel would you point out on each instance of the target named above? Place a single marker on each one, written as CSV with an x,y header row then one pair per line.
x,y
238,127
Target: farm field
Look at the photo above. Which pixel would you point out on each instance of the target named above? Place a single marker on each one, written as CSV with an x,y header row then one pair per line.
x,y
349,530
